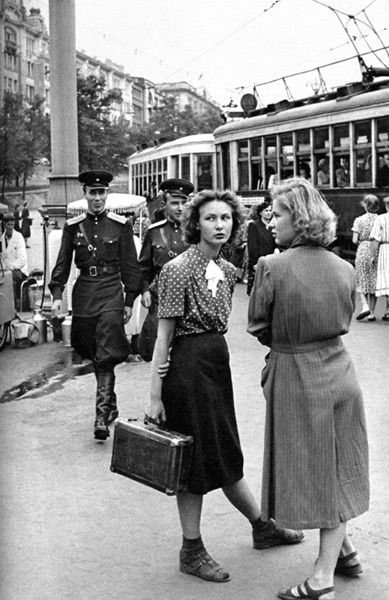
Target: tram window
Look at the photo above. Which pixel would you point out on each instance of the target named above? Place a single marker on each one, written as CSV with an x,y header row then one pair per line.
x,y
362,132
286,145
304,167
342,155
256,163
321,139
243,165
342,136
383,151
303,142
175,166
383,132
185,167
270,145
322,171
271,171
383,169
362,148
226,165
204,172
342,171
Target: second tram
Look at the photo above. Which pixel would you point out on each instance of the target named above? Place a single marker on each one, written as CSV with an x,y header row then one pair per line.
x,y
191,157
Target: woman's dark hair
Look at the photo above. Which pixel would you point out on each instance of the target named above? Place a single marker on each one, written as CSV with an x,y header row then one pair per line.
x,y
192,213
265,203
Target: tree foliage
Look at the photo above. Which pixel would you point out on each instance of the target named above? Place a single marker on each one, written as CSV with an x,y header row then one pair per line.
x,y
24,137
168,123
102,142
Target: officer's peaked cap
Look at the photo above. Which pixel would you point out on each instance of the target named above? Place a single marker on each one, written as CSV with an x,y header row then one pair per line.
x,y
96,179
177,187
9,217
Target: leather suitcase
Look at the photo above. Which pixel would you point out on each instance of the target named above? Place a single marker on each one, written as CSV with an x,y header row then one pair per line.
x,y
152,456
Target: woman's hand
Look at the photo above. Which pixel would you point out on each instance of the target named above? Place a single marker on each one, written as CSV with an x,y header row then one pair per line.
x,y
163,369
155,413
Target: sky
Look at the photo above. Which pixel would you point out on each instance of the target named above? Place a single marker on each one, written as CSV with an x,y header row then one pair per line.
x,y
231,46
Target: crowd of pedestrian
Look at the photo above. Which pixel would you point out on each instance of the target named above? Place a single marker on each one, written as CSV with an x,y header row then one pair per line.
x,y
302,298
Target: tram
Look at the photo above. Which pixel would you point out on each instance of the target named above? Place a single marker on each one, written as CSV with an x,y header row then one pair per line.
x,y
191,157
339,140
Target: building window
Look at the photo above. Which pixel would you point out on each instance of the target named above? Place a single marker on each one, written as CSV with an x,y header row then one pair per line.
x,y
30,45
30,92
30,69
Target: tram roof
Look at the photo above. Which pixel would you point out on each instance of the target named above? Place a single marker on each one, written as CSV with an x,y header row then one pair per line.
x,y
322,112
200,138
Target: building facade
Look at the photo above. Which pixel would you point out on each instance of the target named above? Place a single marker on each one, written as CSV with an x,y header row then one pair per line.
x,y
24,52
25,69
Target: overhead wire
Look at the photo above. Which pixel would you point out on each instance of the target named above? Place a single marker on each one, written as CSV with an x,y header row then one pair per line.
x,y
224,38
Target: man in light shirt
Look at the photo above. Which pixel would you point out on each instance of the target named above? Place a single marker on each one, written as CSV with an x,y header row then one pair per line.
x,y
14,255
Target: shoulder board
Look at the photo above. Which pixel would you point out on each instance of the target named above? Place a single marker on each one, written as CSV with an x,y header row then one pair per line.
x,y
76,220
158,224
116,217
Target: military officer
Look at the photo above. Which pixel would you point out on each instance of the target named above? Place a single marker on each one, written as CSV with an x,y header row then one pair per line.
x,y
104,251
163,241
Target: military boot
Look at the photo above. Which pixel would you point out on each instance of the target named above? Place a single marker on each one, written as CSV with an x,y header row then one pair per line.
x,y
113,413
105,383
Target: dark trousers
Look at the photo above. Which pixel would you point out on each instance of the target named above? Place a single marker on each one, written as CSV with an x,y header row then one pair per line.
x,y
17,277
101,338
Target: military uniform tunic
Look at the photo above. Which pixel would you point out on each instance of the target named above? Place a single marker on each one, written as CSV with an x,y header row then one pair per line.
x,y
110,262
107,260
163,241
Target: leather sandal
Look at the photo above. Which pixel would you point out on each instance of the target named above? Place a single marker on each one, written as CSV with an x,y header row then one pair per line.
x,y
287,594
200,564
385,317
342,568
267,534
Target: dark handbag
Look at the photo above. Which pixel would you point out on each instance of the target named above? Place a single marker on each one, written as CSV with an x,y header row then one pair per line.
x,y
148,334
156,457
29,221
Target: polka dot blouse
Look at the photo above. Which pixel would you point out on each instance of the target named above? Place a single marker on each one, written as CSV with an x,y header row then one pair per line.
x,y
184,294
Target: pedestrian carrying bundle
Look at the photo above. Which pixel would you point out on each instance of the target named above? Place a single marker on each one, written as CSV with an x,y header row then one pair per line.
x,y
155,457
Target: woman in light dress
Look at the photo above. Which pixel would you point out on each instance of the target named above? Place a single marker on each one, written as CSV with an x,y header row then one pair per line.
x,y
366,269
380,245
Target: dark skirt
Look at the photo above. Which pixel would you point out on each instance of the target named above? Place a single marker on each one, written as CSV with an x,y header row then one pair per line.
x,y
198,399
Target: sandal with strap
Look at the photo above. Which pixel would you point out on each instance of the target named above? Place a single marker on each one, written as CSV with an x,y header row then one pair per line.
x,y
201,564
287,594
342,568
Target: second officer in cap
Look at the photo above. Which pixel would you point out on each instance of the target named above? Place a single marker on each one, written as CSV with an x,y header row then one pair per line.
x,y
163,241
103,246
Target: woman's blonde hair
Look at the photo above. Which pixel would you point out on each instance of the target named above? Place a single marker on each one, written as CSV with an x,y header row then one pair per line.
x,y
312,218
371,203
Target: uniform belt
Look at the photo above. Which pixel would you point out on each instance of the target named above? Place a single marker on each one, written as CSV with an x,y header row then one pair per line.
x,y
96,270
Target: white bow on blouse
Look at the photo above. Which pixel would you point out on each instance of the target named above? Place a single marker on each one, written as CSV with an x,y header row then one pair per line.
x,y
213,274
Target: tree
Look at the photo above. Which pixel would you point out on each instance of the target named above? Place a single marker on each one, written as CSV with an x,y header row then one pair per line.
x,y
24,137
102,143
169,123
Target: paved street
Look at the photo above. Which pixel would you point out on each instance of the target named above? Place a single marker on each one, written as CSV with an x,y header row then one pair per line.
x,y
71,529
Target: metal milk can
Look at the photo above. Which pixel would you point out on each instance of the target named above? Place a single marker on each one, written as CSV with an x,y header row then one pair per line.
x,y
41,324
66,327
